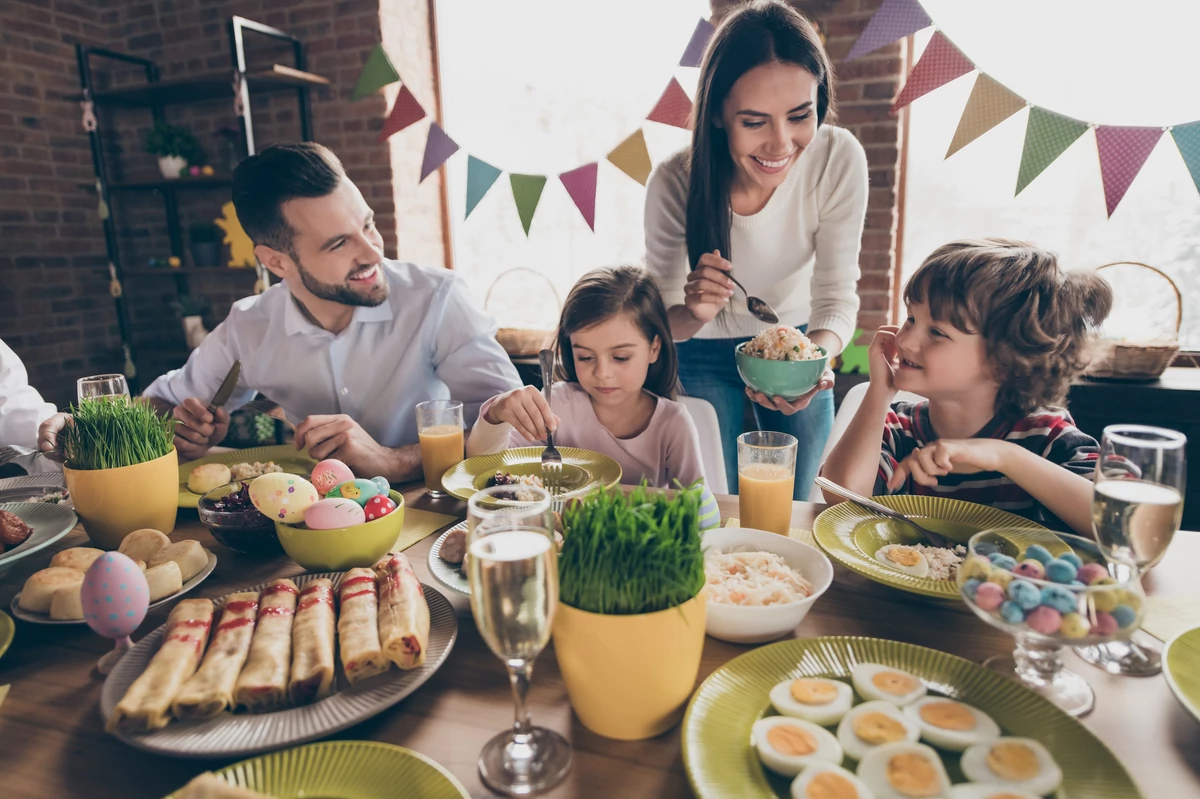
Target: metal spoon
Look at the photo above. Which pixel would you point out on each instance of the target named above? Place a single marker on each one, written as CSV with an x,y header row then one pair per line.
x,y
757,307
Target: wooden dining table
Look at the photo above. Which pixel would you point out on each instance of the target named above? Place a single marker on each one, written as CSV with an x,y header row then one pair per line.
x,y
53,744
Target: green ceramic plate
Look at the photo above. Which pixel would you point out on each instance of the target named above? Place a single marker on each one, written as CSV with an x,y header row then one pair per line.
x,y
8,631
1181,666
583,470
852,535
287,456
344,770
716,730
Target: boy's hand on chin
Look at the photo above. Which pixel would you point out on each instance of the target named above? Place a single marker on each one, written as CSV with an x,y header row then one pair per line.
x,y
949,456
884,358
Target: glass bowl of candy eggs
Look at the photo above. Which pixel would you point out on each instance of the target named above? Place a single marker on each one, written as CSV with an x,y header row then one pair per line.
x,y
1049,591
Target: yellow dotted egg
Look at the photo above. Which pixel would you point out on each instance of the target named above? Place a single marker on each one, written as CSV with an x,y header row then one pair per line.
x,y
1001,578
1075,625
976,566
1104,600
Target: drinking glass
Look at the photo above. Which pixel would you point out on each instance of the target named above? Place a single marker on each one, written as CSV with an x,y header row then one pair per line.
x,y
99,386
766,480
1137,506
440,431
512,564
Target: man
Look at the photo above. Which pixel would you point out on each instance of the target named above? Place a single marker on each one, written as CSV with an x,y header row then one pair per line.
x,y
348,343
22,408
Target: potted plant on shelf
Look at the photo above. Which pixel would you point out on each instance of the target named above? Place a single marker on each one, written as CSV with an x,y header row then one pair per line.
x,y
121,468
629,628
191,310
205,244
175,147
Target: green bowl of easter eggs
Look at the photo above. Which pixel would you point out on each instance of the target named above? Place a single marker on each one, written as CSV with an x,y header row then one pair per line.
x,y
788,379
341,548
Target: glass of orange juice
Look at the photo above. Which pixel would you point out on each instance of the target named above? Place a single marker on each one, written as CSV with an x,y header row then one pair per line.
x,y
766,478
440,431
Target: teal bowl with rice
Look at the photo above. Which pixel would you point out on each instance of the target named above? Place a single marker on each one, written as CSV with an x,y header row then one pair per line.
x,y
775,376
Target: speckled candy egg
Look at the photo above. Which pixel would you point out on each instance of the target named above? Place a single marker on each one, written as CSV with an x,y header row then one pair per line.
x,y
283,497
384,485
330,473
358,490
114,595
378,506
333,513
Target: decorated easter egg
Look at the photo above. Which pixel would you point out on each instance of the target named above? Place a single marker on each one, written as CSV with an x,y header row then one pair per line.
x,y
333,513
379,506
384,485
114,595
329,473
358,490
283,497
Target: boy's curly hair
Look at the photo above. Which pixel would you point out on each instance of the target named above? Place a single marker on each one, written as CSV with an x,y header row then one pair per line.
x,y
1036,319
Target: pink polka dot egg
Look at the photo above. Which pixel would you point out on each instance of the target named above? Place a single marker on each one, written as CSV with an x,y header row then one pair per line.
x,y
283,497
115,595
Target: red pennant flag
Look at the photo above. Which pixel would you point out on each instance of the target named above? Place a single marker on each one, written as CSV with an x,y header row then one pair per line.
x,y
673,108
939,64
405,111
581,185
1123,151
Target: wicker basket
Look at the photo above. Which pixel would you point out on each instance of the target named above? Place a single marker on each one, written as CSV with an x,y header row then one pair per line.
x,y
1120,360
521,342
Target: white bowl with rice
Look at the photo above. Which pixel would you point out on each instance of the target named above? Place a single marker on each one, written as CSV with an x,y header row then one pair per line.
x,y
760,585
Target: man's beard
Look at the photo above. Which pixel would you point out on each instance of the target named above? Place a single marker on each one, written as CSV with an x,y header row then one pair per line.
x,y
341,293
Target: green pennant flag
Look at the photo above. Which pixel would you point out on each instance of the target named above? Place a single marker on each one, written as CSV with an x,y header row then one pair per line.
x,y
527,190
376,73
1047,136
480,177
1187,139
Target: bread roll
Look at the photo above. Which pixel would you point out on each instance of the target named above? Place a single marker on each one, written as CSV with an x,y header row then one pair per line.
x,y
143,544
67,604
38,593
141,564
78,558
207,476
164,580
190,556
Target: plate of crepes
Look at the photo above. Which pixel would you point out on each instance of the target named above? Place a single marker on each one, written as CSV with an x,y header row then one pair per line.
x,y
198,477
279,663
893,553
27,527
52,595
864,718
582,471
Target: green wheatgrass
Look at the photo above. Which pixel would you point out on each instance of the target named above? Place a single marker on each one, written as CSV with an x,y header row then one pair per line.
x,y
111,433
632,553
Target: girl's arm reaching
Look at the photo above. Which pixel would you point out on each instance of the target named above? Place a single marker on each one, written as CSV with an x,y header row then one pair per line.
x,y
511,419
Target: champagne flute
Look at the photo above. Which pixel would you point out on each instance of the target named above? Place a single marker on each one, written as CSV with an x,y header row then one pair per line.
x,y
101,386
1137,506
512,565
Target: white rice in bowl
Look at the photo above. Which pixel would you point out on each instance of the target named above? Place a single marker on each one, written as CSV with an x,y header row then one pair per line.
x,y
782,344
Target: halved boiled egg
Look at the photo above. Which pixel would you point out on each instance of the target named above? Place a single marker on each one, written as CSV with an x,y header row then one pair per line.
x,y
873,681
978,790
1014,763
814,699
827,781
904,770
787,746
873,724
904,559
952,725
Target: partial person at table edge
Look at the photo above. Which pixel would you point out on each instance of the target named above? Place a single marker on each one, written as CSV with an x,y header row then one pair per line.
x,y
22,409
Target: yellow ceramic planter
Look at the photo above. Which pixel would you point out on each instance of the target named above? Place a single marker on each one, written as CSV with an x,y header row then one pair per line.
x,y
112,503
629,677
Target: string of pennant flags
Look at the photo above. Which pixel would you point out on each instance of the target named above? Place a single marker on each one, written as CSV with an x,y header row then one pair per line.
x,y
631,156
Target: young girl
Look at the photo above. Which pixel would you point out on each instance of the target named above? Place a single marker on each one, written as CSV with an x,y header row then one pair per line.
x,y
618,378
994,335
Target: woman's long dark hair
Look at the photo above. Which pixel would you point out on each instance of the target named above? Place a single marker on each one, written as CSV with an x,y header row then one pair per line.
x,y
761,32
602,294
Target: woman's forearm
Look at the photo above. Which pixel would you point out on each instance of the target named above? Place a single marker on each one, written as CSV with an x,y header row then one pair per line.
x,y
830,341
683,324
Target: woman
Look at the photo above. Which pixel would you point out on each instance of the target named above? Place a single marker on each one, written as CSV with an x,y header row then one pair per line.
x,y
768,186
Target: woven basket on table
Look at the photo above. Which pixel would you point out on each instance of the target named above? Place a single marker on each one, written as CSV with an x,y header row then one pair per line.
x,y
1123,360
521,342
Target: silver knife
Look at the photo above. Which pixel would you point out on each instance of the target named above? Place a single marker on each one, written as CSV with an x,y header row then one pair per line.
x,y
226,390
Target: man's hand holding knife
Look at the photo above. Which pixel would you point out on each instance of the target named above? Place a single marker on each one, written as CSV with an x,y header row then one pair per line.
x,y
204,426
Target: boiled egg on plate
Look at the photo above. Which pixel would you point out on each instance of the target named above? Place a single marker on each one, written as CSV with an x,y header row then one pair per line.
x,y
952,725
903,771
903,559
873,681
1014,763
787,746
814,699
978,790
873,724
827,781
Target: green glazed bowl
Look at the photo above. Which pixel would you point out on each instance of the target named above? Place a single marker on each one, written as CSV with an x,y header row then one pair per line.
x,y
787,379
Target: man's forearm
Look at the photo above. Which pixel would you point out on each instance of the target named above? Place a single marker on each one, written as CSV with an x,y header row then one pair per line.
x,y
406,464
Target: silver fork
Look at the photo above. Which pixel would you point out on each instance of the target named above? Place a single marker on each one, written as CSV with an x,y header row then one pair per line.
x,y
551,459
268,408
933,538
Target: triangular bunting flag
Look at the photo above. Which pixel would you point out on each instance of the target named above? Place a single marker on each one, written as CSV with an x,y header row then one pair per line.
x,y
1123,151
939,64
480,177
989,105
581,185
377,73
1187,139
438,147
527,190
694,53
1047,136
673,108
894,20
405,111
632,157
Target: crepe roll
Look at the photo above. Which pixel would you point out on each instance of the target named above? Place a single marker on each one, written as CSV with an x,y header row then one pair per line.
x,y
403,612
210,690
147,703
164,579
312,644
67,604
358,626
209,786
262,685
191,557
143,544
78,558
38,593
